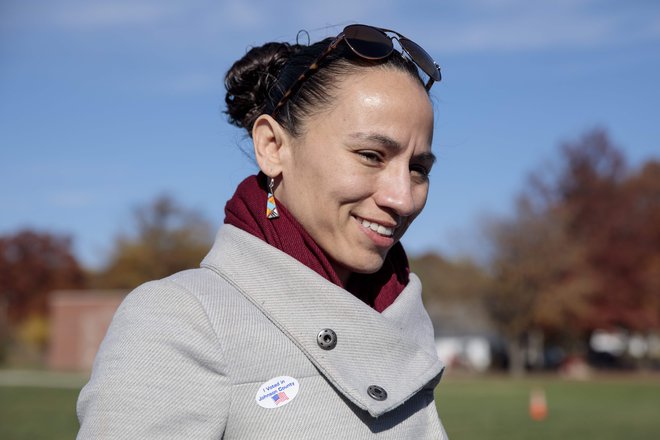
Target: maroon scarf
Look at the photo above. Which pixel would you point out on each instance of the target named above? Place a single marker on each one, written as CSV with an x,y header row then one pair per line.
x,y
247,211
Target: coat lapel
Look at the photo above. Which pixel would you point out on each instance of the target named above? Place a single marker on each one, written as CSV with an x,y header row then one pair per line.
x,y
393,350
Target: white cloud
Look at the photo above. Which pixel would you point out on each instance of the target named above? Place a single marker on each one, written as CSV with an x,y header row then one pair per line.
x,y
519,25
71,199
448,26
90,15
528,32
242,14
100,15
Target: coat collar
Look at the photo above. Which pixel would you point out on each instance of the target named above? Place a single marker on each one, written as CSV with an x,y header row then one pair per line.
x,y
393,349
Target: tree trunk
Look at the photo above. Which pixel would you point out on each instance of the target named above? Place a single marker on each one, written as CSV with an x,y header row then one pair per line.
x,y
516,357
535,349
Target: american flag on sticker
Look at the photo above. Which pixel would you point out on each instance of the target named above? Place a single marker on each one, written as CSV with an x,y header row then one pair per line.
x,y
280,398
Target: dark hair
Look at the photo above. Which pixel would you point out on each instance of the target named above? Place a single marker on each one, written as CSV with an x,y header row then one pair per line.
x,y
257,82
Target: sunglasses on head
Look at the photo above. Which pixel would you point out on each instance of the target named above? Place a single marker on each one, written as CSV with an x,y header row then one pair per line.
x,y
370,43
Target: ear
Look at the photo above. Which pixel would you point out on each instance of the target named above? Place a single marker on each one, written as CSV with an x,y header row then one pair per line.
x,y
270,140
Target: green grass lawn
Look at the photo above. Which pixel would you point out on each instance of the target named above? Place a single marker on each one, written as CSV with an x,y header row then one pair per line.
x,y
38,413
475,408
623,408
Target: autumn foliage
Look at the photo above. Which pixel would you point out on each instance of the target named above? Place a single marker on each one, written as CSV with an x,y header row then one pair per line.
x,y
580,252
165,238
32,265
612,213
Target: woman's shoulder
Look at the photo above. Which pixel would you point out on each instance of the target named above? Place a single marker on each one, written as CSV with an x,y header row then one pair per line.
x,y
181,291
160,334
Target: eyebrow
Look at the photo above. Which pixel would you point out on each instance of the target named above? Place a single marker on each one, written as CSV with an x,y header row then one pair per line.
x,y
391,144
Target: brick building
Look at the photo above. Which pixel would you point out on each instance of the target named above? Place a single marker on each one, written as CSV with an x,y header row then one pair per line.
x,y
78,323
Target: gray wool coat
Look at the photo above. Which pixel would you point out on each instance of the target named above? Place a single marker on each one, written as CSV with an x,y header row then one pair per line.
x,y
255,345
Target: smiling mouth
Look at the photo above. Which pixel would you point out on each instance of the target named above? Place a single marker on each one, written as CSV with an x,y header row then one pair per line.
x,y
385,231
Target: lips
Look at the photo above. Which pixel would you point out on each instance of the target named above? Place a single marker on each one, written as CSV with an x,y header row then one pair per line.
x,y
385,231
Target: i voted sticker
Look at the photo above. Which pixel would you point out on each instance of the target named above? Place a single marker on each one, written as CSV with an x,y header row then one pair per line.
x,y
277,392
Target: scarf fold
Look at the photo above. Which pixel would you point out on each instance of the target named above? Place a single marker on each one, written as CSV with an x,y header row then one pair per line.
x,y
246,210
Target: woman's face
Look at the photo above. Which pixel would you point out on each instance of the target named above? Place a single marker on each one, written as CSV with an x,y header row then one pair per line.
x,y
358,176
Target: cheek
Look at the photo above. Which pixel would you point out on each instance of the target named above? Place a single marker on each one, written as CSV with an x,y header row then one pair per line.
x,y
346,193
343,183
306,178
324,188
420,195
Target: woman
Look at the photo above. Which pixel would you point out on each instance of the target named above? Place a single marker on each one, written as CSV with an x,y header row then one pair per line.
x,y
303,320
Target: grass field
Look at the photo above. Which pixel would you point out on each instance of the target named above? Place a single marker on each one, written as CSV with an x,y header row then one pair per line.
x,y
475,408
604,409
37,413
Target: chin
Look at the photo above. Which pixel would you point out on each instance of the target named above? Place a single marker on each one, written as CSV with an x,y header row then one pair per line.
x,y
366,265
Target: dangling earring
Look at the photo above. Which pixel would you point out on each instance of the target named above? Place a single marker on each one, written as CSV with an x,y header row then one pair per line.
x,y
271,207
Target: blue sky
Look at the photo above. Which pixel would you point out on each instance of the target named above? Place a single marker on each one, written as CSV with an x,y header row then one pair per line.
x,y
106,104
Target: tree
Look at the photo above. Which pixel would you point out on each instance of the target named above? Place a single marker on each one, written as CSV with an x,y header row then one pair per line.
x,y
452,293
167,238
539,279
33,264
447,280
644,188
583,249
614,212
627,254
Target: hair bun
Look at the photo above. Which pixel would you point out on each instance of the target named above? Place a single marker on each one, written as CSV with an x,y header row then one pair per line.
x,y
249,80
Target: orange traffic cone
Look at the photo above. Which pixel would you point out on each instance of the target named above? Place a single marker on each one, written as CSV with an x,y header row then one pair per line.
x,y
538,405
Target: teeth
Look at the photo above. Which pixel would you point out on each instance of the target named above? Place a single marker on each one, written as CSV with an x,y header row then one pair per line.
x,y
382,230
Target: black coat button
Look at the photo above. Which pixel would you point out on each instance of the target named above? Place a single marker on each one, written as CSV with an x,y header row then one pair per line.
x,y
327,339
377,393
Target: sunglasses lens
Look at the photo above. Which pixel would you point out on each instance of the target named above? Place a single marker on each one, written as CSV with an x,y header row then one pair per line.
x,y
368,42
421,58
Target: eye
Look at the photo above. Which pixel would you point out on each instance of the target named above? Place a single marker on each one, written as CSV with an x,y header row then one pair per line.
x,y
421,172
370,156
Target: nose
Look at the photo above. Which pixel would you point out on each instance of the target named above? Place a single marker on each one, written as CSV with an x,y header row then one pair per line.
x,y
395,192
